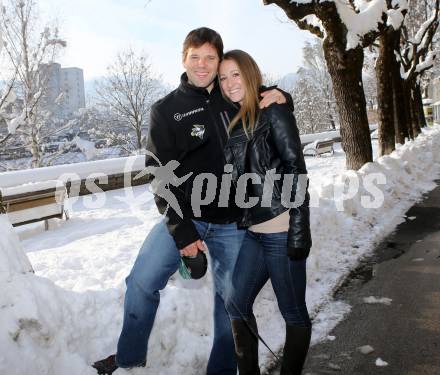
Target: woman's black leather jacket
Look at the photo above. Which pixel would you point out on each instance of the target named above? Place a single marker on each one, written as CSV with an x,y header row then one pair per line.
x,y
273,155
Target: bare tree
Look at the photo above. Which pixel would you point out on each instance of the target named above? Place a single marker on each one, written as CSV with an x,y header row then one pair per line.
x,y
310,111
270,80
314,61
27,46
129,90
315,107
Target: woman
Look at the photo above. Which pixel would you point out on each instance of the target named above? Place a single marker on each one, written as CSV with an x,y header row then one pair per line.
x,y
278,240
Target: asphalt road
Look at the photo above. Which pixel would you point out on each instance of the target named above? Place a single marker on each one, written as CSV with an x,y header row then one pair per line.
x,y
406,332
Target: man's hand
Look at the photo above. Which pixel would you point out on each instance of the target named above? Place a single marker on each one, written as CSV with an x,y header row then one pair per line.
x,y
270,97
192,249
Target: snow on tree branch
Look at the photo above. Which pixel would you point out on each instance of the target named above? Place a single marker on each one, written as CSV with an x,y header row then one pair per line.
x,y
16,122
424,28
418,54
362,18
365,18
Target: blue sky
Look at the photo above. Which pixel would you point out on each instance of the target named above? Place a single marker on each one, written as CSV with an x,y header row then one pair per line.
x,y
96,29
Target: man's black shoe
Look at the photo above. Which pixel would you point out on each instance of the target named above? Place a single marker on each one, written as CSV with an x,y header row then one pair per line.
x,y
106,366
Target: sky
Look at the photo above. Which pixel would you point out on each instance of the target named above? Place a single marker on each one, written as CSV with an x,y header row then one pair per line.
x,y
96,30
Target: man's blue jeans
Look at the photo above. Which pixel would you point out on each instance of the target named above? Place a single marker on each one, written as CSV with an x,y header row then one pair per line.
x,y
263,256
157,260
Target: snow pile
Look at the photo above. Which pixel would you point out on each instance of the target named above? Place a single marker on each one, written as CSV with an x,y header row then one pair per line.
x,y
12,258
353,210
43,326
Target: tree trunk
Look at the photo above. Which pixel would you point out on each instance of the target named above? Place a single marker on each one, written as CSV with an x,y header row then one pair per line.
x,y
408,108
384,75
414,129
35,151
139,138
408,104
345,68
401,108
330,116
419,106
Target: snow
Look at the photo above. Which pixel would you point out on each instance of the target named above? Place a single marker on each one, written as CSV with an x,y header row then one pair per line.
x,y
428,62
16,122
313,20
381,363
360,23
375,300
395,18
331,134
87,147
366,349
73,171
423,29
360,17
29,187
9,98
37,212
69,313
12,258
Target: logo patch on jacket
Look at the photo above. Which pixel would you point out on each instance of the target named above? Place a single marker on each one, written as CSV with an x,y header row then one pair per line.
x,y
180,116
198,131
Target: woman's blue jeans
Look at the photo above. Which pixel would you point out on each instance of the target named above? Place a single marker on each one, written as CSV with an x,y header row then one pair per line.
x,y
263,256
157,260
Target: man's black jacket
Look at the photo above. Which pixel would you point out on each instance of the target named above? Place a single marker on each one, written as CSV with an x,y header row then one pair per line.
x,y
190,125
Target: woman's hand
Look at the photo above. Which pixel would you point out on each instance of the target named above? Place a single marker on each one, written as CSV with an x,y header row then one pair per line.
x,y
298,253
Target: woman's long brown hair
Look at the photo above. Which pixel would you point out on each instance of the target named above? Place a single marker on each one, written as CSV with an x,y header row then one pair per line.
x,y
252,80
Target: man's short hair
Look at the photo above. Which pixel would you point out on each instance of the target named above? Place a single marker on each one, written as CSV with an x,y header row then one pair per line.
x,y
198,37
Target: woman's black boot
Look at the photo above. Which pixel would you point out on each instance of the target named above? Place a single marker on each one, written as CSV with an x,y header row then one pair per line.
x,y
295,349
246,346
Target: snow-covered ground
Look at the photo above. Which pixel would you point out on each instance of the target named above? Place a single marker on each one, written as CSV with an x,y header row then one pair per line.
x,y
69,314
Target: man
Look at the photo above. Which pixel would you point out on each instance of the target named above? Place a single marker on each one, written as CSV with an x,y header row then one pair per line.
x,y
188,126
